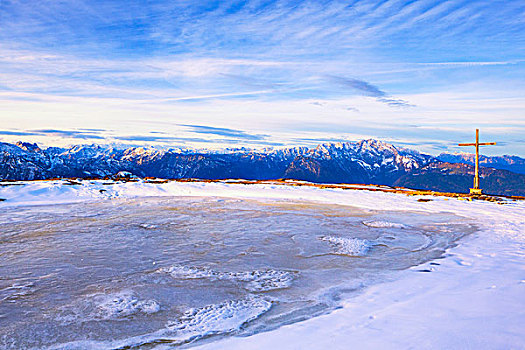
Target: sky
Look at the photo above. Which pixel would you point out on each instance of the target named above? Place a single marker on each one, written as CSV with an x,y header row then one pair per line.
x,y
227,74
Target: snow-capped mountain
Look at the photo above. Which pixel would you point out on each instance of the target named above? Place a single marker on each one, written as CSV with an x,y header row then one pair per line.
x,y
362,161
367,161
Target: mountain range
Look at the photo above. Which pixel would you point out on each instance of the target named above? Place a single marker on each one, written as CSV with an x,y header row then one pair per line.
x,y
368,161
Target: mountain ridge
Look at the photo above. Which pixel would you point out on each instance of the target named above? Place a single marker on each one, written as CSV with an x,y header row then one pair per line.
x,y
366,161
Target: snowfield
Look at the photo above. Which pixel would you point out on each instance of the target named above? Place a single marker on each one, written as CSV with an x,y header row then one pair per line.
x,y
474,298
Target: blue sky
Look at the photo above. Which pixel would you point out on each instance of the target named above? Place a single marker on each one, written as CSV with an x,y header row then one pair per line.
x,y
422,74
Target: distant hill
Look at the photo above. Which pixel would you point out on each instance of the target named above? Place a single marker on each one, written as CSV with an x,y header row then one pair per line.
x,y
367,162
457,177
512,163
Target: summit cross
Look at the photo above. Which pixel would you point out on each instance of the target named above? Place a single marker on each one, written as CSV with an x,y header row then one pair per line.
x,y
476,189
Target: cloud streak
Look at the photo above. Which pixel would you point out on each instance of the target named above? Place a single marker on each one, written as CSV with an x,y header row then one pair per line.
x,y
69,134
86,134
367,89
17,133
238,134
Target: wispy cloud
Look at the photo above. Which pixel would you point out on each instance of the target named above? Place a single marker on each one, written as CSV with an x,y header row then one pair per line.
x,y
472,63
238,134
367,89
17,133
171,141
69,134
75,134
161,139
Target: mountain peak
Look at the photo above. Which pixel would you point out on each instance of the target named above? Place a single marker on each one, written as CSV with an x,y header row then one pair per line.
x,y
28,147
373,144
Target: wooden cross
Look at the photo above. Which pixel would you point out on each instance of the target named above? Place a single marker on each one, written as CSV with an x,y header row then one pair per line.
x,y
476,189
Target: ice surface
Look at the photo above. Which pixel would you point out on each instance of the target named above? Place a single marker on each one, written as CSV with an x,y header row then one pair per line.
x,y
123,304
15,291
113,306
148,226
214,254
262,281
348,246
257,280
189,272
383,224
220,318
196,323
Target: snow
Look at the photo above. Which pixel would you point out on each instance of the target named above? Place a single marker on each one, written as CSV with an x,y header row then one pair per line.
x,y
471,299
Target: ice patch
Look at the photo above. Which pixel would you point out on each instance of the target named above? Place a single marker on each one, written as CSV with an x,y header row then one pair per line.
x,y
256,281
122,305
108,307
383,224
261,281
347,246
148,226
194,324
220,318
189,272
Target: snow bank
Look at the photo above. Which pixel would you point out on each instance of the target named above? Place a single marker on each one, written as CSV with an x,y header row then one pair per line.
x,y
471,299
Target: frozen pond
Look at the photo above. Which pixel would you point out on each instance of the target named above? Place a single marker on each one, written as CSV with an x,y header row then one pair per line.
x,y
177,271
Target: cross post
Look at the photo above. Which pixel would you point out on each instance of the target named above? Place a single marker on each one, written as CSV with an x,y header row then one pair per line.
x,y
476,190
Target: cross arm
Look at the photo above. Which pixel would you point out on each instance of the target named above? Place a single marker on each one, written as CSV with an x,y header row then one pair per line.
x,y
479,144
